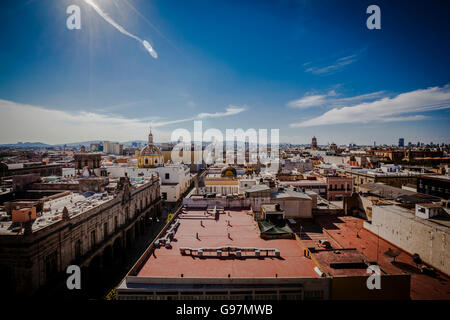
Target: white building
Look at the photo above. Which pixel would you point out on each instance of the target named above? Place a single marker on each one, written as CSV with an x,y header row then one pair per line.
x,y
429,238
245,184
68,172
297,163
175,179
112,147
428,210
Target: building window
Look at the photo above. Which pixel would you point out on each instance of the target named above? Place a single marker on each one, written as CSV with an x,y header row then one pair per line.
x,y
105,230
92,239
78,249
167,176
164,195
51,265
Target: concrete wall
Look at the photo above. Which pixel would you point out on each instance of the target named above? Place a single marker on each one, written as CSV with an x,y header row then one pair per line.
x,y
22,182
222,202
295,208
413,234
393,287
312,288
172,192
68,172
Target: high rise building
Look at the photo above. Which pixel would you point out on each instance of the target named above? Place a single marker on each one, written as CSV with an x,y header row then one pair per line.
x,y
401,142
112,147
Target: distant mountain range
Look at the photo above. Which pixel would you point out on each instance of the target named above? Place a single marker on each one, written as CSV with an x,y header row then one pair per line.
x,y
26,145
37,145
31,145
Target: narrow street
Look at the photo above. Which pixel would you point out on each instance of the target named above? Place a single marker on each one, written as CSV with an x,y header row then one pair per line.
x,y
110,276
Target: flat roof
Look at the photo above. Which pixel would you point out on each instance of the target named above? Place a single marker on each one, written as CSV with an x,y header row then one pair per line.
x,y
436,177
244,232
343,262
349,232
289,193
304,182
410,214
76,204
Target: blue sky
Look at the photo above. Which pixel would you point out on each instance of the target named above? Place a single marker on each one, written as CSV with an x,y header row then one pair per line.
x,y
305,67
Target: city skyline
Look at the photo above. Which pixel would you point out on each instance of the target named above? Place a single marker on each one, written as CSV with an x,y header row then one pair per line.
x,y
227,150
307,68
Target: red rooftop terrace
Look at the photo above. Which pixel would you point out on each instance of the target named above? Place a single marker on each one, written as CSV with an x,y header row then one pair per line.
x,y
235,229
219,254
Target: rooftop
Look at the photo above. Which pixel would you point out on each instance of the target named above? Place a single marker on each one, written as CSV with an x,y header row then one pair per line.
x,y
372,172
284,193
389,192
76,203
258,188
349,232
235,228
304,182
438,222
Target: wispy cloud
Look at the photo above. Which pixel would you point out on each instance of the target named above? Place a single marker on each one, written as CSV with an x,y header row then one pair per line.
x,y
337,65
229,111
331,99
58,126
308,101
108,19
110,108
386,109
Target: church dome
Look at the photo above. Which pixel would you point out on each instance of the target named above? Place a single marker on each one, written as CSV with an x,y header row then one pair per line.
x,y
228,171
150,150
150,156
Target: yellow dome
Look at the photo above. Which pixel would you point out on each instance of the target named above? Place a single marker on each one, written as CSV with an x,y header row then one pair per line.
x,y
150,156
150,150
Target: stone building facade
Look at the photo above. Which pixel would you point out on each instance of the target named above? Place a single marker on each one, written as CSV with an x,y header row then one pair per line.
x,y
90,239
43,169
394,180
339,187
89,160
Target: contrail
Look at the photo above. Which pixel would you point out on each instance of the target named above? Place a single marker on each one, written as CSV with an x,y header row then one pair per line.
x,y
108,19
